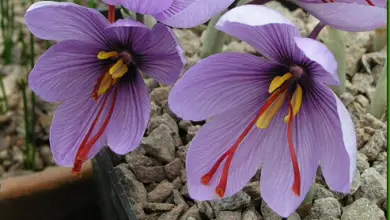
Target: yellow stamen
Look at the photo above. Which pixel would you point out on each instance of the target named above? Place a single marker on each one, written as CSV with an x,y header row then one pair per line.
x,y
105,84
102,55
296,102
264,120
118,70
278,81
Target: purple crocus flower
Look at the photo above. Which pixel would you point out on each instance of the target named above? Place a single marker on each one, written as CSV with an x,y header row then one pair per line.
x,y
348,15
274,112
94,73
176,13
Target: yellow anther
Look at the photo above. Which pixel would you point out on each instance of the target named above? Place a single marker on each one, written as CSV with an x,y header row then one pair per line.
x,y
103,55
278,81
105,84
296,102
118,69
264,120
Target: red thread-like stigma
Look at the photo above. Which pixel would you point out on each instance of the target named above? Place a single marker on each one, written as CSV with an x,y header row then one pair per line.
x,y
297,176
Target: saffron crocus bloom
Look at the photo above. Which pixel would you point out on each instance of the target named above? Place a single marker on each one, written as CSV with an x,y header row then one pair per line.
x,y
274,112
176,13
348,15
94,73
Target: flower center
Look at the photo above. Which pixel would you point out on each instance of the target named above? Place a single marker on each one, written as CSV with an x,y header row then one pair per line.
x,y
103,87
280,90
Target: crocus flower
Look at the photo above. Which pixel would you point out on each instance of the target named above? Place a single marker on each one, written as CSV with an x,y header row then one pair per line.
x,y
274,112
348,15
176,13
94,73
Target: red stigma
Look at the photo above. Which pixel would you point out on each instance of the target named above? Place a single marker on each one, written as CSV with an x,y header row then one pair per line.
x,y
296,188
111,13
86,145
370,2
228,155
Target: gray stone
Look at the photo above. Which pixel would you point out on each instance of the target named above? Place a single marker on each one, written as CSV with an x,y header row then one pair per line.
x,y
178,199
381,167
166,109
374,145
362,81
294,216
2,171
164,119
160,144
205,208
173,168
159,94
162,191
184,124
133,187
347,98
373,186
253,189
362,162
47,156
362,100
356,182
191,132
229,215
362,209
157,207
150,174
155,110
353,58
324,207
382,156
251,214
173,214
184,190
136,160
268,213
151,84
17,155
192,212
321,192
237,201
189,40
138,210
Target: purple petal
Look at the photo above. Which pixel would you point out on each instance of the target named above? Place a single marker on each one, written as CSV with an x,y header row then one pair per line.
x,y
213,140
129,35
321,62
190,13
65,21
130,117
146,6
219,83
67,69
71,122
277,174
265,29
336,139
348,16
163,59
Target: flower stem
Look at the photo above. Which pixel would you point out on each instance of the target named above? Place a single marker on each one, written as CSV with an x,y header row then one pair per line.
x,y
335,43
379,100
214,39
316,31
22,88
31,134
5,99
